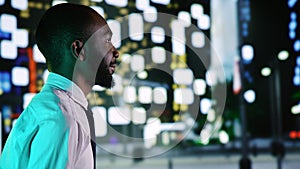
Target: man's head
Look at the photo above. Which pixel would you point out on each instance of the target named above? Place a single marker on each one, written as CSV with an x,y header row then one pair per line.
x,y
63,36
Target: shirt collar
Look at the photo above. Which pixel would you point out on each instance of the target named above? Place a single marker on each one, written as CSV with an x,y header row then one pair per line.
x,y
70,87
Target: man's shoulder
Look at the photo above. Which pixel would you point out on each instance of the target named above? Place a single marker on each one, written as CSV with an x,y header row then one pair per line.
x,y
44,105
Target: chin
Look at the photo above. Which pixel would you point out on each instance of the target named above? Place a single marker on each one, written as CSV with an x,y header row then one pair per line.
x,y
105,81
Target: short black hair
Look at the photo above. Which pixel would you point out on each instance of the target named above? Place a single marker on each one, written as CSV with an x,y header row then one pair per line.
x,y
60,26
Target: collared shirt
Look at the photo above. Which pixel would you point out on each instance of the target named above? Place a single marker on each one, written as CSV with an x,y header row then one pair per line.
x,y
52,132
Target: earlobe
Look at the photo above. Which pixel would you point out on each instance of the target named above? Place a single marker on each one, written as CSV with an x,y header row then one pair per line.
x,y
77,50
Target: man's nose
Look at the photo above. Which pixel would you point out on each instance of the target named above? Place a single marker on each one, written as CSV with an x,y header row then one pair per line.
x,y
115,52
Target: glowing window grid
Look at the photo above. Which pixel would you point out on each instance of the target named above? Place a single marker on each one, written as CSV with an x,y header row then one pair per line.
x,y
20,75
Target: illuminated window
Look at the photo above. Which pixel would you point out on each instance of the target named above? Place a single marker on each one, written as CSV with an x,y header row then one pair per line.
x,y
115,27
178,47
297,45
250,96
283,55
165,137
183,96
178,37
183,76
8,23
204,22
139,115
8,50
211,78
196,11
20,38
247,53
118,83
292,34
142,75
5,82
205,136
163,2
19,4
96,0
151,130
99,114
27,99
266,71
291,3
199,87
293,16
136,27
223,137
297,70
20,76
205,105
126,58
150,14
157,34
37,55
158,55
296,80
198,39
150,137
45,75
118,3
293,25
178,126
99,10
159,95
211,115
2,2
137,63
98,88
118,115
295,109
56,2
142,4
185,18
145,94
129,94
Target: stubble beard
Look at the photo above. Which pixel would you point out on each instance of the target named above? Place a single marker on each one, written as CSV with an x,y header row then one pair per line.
x,y
103,77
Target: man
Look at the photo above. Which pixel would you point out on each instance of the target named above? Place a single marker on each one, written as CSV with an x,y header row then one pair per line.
x,y
53,132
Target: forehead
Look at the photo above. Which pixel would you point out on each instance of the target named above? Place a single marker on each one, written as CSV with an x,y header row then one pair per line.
x,y
102,31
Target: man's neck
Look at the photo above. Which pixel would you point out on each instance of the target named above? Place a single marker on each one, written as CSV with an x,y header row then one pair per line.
x,y
78,80
82,84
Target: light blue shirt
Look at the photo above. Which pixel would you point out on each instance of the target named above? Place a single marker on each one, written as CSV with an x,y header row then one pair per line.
x,y
52,132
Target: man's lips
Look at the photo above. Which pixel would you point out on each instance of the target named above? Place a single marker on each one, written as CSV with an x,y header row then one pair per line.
x,y
112,67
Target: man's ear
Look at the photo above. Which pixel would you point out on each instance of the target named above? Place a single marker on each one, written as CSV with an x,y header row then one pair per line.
x,y
78,50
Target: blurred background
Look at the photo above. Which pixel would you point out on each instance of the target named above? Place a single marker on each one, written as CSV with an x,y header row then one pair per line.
x,y
200,84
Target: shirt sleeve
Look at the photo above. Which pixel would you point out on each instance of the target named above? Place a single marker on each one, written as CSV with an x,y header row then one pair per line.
x,y
40,146
49,147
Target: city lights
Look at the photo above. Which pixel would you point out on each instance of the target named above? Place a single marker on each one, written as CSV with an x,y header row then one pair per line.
x,y
137,63
20,76
157,34
136,24
119,115
266,71
250,96
19,4
183,76
247,53
99,114
158,55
